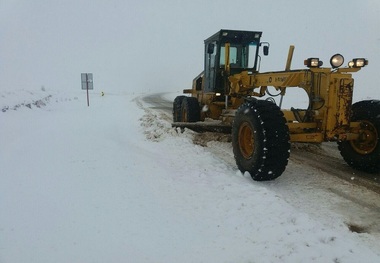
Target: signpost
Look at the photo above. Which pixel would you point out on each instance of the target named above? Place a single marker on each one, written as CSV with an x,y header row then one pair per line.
x,y
87,84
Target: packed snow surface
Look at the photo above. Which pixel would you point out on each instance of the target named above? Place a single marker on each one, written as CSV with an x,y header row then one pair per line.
x,y
113,182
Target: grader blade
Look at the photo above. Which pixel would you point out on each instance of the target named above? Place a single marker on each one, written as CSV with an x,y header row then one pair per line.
x,y
203,126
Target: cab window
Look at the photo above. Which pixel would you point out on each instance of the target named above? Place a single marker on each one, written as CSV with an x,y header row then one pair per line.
x,y
233,56
241,56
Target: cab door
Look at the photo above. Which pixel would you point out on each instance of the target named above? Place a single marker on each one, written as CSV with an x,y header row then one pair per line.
x,y
210,64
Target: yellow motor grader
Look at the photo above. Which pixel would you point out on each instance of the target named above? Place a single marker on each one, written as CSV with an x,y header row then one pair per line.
x,y
229,88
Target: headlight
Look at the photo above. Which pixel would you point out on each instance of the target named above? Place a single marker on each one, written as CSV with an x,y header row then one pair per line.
x,y
358,63
313,62
337,60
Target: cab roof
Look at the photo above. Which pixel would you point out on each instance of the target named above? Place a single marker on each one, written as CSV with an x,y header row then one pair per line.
x,y
234,36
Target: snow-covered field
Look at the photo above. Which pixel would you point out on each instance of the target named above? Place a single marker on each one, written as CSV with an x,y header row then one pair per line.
x,y
114,182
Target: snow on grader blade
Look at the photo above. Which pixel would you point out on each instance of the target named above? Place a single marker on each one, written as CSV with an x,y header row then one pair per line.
x,y
231,90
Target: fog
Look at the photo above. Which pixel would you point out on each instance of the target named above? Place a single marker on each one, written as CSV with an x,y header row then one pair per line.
x,y
154,46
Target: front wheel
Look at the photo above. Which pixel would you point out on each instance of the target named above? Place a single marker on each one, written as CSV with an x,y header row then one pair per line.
x,y
364,153
260,140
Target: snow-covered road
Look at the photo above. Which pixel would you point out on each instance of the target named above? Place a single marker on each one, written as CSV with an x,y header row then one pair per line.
x,y
317,179
114,182
358,190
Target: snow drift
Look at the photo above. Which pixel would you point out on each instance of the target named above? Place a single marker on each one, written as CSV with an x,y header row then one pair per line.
x,y
114,182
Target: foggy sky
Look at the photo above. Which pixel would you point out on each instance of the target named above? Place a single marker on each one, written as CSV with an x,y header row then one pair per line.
x,y
148,45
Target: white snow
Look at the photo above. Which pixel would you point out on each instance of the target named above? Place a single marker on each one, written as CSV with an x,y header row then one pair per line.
x,y
114,182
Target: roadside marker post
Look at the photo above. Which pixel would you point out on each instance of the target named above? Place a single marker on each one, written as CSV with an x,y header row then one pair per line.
x,y
87,84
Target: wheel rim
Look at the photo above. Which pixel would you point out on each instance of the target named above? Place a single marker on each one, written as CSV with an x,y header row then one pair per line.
x,y
246,140
368,139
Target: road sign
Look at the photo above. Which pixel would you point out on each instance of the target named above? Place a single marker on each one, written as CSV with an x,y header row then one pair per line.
x,y
87,84
87,81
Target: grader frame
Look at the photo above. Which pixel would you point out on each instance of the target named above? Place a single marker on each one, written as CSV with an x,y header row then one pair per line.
x,y
230,82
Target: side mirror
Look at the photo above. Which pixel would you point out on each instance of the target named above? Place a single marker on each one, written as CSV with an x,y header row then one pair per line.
x,y
210,48
266,50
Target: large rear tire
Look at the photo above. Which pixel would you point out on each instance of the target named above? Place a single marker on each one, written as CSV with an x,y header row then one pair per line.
x,y
190,110
364,153
260,140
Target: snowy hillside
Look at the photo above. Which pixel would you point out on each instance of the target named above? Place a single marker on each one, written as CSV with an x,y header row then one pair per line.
x,y
114,182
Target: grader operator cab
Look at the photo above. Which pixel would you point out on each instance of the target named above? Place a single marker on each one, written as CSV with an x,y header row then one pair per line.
x,y
229,88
